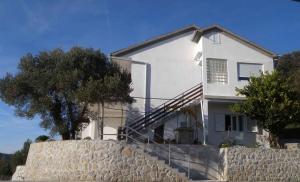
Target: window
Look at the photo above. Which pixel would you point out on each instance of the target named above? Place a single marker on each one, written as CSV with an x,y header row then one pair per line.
x,y
229,122
241,123
217,71
215,37
245,70
234,123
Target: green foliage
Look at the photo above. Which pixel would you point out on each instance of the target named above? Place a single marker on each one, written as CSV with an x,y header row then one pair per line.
x,y
5,169
289,66
8,165
42,138
58,86
19,157
271,100
226,144
87,138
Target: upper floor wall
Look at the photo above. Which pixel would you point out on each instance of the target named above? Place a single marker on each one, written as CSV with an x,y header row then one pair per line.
x,y
239,58
164,70
168,67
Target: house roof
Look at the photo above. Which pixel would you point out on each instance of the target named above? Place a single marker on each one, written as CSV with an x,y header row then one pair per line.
x,y
155,40
197,36
236,37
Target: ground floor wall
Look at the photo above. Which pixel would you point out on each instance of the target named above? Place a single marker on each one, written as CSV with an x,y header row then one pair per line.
x,y
115,117
217,133
182,120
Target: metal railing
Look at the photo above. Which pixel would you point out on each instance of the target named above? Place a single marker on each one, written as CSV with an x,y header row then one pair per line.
x,y
146,143
167,108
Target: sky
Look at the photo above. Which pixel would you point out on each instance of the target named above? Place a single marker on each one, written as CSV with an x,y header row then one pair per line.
x,y
30,26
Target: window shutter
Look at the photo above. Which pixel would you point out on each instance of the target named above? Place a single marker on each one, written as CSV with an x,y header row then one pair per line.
x,y
220,122
246,70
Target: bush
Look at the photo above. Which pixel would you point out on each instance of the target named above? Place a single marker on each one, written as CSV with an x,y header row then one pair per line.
x,y
5,169
42,138
227,143
87,138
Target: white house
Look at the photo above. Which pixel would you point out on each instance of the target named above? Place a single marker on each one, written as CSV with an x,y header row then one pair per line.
x,y
164,67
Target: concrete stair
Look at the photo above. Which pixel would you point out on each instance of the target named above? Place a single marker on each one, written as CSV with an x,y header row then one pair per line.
x,y
206,181
197,164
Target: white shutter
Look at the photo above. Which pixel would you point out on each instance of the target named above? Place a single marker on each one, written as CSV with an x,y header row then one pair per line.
x,y
247,69
220,122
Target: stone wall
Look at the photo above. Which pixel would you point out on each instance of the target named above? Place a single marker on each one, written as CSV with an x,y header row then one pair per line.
x,y
258,164
94,161
19,174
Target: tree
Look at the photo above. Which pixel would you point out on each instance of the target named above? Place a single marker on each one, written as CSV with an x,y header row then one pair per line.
x,y
58,87
272,101
5,170
20,156
289,66
42,138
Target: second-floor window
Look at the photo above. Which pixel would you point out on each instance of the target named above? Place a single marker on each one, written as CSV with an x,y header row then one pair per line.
x,y
217,71
246,70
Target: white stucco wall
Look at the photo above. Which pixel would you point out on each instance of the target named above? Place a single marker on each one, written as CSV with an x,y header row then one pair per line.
x,y
89,131
168,68
233,51
139,78
171,68
175,122
216,137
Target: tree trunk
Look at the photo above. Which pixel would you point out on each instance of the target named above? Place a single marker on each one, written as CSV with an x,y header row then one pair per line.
x,y
65,136
274,141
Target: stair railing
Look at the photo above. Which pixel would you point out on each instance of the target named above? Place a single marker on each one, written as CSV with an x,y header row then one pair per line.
x,y
168,107
156,146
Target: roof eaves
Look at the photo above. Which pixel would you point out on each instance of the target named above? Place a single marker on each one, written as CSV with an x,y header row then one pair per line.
x,y
155,40
203,31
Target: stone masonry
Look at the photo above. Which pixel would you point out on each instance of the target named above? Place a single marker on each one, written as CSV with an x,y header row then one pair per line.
x,y
94,161
260,164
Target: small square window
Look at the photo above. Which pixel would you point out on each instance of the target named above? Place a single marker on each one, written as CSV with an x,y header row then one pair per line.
x,y
217,71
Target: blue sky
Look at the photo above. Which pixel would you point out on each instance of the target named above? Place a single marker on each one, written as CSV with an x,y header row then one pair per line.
x,y
38,25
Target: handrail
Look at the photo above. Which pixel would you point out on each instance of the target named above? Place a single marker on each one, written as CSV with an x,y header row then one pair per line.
x,y
163,114
174,103
157,145
166,105
132,130
174,98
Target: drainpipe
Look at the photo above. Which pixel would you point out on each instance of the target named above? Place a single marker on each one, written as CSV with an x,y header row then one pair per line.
x,y
203,123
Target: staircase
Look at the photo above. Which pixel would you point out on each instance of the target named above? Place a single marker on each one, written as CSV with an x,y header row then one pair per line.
x,y
166,109
197,163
